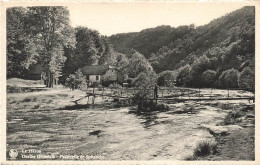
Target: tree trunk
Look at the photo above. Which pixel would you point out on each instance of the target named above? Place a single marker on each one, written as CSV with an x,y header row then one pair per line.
x,y
49,79
199,92
210,90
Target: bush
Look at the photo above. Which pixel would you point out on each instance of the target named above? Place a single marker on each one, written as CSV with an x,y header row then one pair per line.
x,y
130,81
229,78
108,83
208,78
27,100
183,78
232,117
74,81
150,105
142,80
247,79
205,148
115,86
141,99
14,89
166,78
121,102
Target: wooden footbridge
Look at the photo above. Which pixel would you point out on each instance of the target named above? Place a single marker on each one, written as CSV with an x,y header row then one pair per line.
x,y
166,94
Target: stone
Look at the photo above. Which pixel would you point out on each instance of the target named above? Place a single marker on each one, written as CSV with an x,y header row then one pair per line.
x,y
248,125
216,130
233,127
221,130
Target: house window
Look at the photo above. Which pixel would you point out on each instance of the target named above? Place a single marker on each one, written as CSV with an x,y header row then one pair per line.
x,y
87,77
97,77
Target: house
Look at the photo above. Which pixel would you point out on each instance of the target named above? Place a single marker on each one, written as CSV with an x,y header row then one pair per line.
x,y
35,72
102,74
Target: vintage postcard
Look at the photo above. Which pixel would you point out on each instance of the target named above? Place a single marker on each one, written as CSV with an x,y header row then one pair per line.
x,y
129,82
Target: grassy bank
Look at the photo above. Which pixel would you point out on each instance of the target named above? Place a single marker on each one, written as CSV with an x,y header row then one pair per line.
x,y
234,137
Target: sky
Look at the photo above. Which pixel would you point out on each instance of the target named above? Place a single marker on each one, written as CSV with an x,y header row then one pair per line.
x,y
112,18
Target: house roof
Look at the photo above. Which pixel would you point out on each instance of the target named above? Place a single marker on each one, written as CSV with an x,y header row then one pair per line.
x,y
35,69
95,69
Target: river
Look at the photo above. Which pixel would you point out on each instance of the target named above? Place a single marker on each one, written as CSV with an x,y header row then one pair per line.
x,y
112,134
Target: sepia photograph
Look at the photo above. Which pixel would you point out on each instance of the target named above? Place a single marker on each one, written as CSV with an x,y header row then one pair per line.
x,y
130,82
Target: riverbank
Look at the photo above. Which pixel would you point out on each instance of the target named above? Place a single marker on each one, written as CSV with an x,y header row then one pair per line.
x,y
236,140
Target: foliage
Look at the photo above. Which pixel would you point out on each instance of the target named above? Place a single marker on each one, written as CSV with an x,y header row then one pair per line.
x,y
14,89
142,81
225,43
229,78
198,67
166,78
150,105
247,78
115,86
183,78
89,47
205,148
74,81
130,81
209,77
70,81
150,42
139,64
232,116
145,104
142,98
50,31
20,47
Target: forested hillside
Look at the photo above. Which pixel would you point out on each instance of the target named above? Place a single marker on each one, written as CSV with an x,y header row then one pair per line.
x,y
225,45
149,40
219,54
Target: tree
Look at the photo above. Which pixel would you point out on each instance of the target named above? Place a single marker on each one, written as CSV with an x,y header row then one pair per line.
x,y
209,77
50,29
166,78
108,56
197,69
229,78
122,63
247,78
138,64
21,51
74,81
214,63
142,80
89,47
183,78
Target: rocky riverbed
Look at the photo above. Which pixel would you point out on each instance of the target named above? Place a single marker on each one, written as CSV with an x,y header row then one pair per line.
x,y
38,121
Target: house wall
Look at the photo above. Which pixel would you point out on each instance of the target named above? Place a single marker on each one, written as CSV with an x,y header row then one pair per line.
x,y
112,74
33,77
34,72
93,78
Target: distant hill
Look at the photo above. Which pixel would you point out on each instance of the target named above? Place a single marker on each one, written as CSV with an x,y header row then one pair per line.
x,y
230,38
147,41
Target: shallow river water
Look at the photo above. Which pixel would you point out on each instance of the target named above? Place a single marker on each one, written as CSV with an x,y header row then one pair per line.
x,y
113,134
